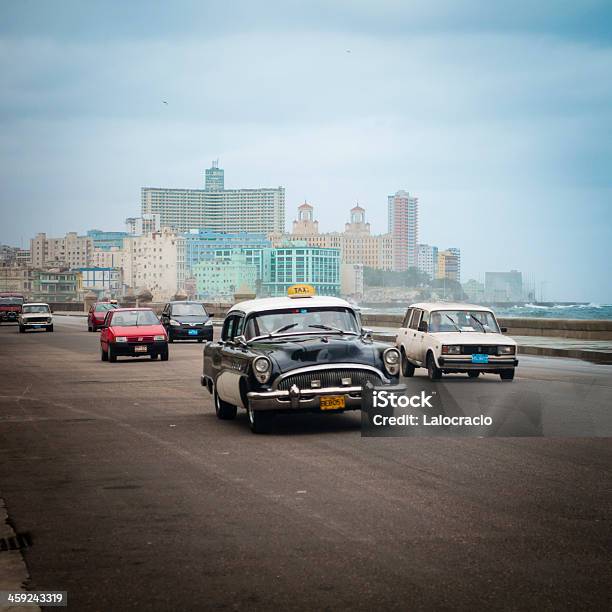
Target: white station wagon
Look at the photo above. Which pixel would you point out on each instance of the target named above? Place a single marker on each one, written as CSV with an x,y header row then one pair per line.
x,y
447,338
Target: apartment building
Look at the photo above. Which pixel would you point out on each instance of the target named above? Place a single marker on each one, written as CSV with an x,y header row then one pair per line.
x,y
72,251
215,208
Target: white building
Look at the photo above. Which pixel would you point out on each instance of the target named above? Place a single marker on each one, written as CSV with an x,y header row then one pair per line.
x,y
111,258
106,282
351,280
72,251
137,226
150,261
427,260
215,208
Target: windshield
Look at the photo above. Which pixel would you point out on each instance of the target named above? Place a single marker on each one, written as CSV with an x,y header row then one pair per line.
x,y
188,310
463,321
302,321
10,300
133,318
105,306
36,308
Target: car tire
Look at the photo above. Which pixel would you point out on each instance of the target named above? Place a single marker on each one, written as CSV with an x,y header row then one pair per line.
x,y
260,421
21,329
165,354
407,367
103,355
112,357
507,374
170,336
473,374
433,371
224,410
89,328
153,356
49,328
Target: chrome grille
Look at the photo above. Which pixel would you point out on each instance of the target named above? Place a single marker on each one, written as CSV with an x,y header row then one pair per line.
x,y
36,320
469,349
329,378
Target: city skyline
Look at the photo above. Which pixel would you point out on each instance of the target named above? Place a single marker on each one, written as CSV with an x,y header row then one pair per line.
x,y
498,125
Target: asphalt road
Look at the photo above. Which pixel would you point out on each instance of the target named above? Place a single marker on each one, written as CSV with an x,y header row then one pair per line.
x,y
137,497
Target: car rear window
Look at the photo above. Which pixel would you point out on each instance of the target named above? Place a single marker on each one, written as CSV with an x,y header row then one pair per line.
x,y
105,307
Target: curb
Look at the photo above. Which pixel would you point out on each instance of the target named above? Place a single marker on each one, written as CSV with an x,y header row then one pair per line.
x,y
13,570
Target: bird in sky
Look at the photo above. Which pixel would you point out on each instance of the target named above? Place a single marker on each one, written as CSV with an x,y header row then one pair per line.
x,y
165,102
348,50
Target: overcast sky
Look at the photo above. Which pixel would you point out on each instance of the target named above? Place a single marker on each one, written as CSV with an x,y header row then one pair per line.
x,y
498,118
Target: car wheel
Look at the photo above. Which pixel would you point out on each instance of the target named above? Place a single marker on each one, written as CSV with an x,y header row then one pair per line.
x,y
112,357
153,356
407,367
507,374
50,328
473,374
223,410
164,354
103,355
260,421
433,371
89,328
21,329
170,336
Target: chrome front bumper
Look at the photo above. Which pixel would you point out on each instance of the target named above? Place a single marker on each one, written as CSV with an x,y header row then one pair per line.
x,y
462,362
303,399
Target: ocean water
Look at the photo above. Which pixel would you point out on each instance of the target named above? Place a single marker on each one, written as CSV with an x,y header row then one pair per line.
x,y
557,311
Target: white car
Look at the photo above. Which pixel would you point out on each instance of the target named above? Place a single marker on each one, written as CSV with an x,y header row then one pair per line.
x,y
446,338
35,316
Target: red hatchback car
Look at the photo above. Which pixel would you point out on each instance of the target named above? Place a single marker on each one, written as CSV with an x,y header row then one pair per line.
x,y
97,313
133,332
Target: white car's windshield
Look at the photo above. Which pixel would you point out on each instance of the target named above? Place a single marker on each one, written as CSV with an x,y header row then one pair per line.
x,y
36,308
462,321
134,318
302,321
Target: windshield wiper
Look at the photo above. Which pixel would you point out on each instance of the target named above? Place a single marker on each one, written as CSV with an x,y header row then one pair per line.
x,y
484,331
328,328
453,322
282,329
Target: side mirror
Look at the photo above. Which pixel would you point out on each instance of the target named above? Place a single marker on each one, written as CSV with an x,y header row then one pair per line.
x,y
240,341
423,327
503,330
366,333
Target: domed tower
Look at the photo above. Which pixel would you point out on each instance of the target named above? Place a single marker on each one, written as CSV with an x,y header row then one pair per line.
x,y
357,224
305,225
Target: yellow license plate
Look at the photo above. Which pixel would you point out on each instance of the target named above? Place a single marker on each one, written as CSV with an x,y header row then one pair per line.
x,y
332,402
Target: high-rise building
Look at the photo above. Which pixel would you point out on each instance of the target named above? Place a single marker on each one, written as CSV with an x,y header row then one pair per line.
x,y
427,260
403,216
449,264
214,178
217,209
72,251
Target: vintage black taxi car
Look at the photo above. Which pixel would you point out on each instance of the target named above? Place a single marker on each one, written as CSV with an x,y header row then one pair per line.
x,y
297,353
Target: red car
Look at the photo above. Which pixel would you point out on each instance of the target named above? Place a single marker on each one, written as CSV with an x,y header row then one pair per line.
x,y
132,332
97,313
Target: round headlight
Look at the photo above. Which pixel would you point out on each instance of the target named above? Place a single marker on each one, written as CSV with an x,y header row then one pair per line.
x,y
261,365
392,356
263,369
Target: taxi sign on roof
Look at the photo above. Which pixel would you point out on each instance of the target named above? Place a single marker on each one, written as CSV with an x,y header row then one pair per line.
x,y
297,291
